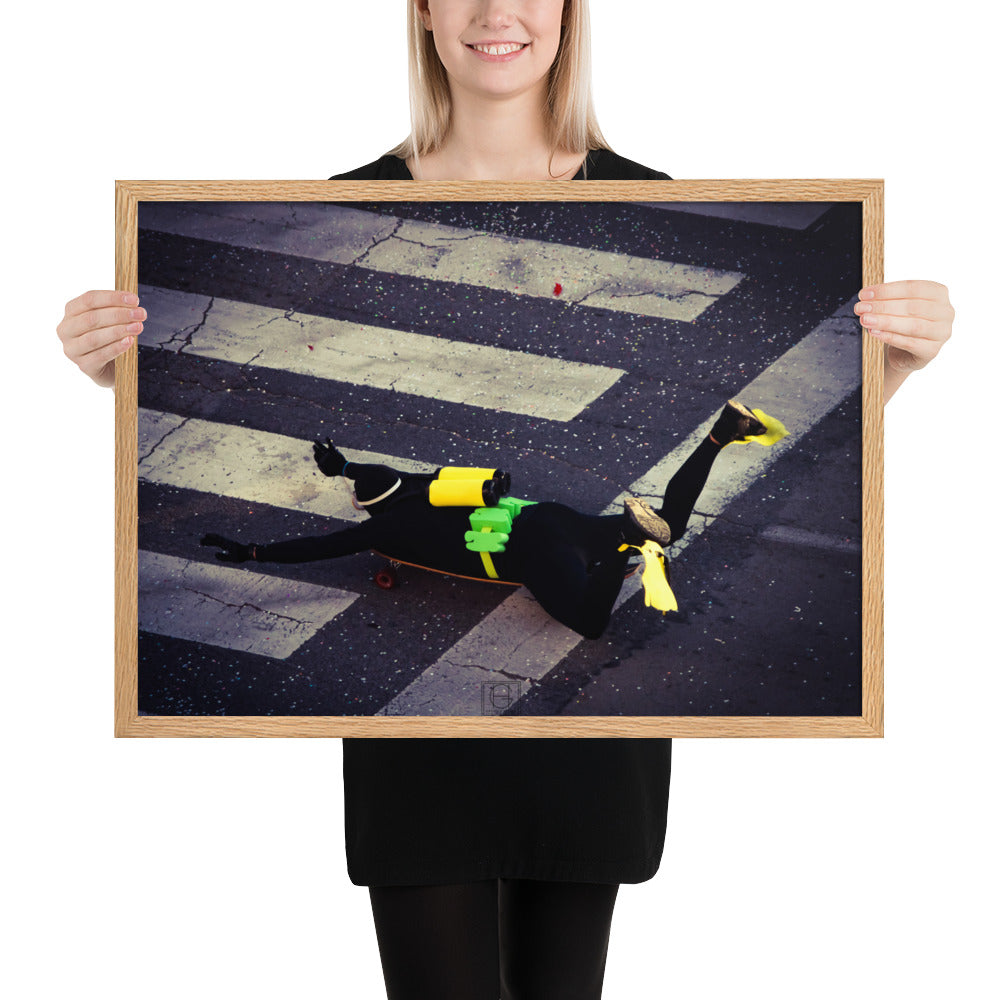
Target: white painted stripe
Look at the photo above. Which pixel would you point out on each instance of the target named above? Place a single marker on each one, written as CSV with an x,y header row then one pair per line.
x,y
800,388
248,464
313,230
384,243
231,607
801,539
518,641
432,367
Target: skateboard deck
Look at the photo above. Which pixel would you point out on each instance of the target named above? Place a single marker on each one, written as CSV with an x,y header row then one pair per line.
x,y
389,573
386,577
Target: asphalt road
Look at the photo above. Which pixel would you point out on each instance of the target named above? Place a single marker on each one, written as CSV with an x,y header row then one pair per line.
x,y
769,589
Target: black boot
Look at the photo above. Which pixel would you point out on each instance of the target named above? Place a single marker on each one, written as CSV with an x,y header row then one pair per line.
x,y
735,423
642,522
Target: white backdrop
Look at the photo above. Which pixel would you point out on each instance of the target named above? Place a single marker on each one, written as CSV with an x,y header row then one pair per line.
x,y
211,868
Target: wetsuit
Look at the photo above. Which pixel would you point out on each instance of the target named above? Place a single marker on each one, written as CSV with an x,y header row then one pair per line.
x,y
569,560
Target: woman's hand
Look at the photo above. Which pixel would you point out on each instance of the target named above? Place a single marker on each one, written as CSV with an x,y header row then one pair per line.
x,y
96,328
912,318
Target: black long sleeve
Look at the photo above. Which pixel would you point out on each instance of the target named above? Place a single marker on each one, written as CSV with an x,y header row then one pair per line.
x,y
345,542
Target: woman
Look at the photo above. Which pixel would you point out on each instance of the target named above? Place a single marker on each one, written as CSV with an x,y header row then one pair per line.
x,y
444,830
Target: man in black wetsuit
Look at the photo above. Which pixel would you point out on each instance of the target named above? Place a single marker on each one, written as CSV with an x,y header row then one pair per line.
x,y
572,563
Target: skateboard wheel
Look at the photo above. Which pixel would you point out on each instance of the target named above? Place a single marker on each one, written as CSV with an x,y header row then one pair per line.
x,y
386,578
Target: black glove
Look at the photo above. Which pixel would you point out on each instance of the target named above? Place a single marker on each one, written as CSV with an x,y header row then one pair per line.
x,y
232,552
329,460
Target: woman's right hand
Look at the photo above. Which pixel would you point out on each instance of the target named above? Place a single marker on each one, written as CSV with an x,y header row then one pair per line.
x,y
96,328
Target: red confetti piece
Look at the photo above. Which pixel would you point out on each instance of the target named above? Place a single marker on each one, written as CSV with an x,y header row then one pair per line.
x,y
557,290
310,346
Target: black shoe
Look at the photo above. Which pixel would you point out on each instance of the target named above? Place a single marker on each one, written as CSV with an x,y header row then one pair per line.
x,y
735,423
645,522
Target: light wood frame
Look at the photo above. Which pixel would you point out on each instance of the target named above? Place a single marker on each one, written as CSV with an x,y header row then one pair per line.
x,y
869,193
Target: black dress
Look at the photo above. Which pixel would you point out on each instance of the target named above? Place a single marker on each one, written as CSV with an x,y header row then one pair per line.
x,y
444,810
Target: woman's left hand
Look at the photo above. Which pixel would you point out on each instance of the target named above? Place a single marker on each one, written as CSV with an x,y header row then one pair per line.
x,y
912,318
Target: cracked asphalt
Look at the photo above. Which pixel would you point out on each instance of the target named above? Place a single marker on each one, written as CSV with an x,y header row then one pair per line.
x,y
769,594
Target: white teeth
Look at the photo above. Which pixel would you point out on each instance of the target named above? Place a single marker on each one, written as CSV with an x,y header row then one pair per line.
x,y
499,50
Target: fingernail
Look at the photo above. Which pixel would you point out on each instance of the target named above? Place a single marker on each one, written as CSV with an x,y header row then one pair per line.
x,y
862,307
869,321
866,293
130,299
126,343
133,328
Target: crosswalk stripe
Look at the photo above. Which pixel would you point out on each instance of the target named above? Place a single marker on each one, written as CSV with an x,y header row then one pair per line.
x,y
432,367
519,642
785,534
333,233
247,464
231,607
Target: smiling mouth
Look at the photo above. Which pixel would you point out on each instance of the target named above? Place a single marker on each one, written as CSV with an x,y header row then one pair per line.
x,y
500,50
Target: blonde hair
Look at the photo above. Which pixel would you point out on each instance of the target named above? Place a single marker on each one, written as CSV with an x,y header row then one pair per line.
x,y
572,124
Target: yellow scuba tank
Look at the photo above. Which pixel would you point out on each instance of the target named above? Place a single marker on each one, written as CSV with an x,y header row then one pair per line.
x,y
462,493
466,472
462,486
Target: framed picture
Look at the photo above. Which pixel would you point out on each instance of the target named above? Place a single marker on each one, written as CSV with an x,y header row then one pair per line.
x,y
468,459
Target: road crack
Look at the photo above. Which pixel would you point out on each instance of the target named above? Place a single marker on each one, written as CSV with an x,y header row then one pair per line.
x,y
357,262
189,332
156,444
247,604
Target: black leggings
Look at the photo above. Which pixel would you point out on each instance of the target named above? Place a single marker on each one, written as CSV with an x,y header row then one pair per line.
x,y
580,575
513,939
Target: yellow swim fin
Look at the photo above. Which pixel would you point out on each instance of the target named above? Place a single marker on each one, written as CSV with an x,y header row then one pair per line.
x,y
774,430
654,577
